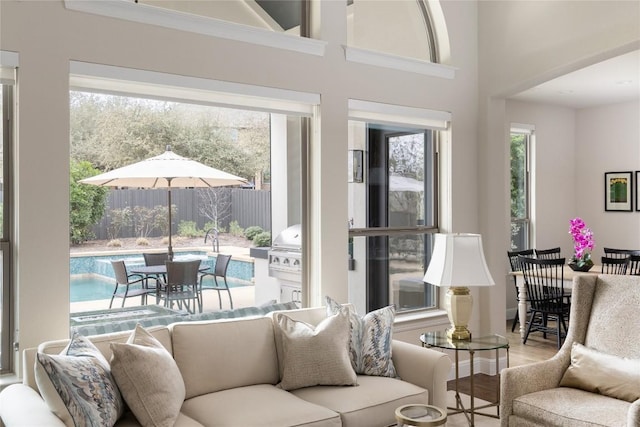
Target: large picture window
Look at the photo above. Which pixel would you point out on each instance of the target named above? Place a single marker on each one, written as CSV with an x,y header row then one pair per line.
x,y
393,213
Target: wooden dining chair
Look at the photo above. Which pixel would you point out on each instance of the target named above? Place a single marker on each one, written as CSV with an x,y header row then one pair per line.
x,y
634,265
544,280
514,263
614,265
619,253
551,253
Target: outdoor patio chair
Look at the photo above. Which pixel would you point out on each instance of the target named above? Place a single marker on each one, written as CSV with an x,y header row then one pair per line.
x,y
155,258
219,271
181,286
123,278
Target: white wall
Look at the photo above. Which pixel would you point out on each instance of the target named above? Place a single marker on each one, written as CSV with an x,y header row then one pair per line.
x,y
42,205
607,140
522,44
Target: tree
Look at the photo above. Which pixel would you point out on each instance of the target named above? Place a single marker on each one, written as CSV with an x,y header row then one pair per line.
x,y
215,204
87,202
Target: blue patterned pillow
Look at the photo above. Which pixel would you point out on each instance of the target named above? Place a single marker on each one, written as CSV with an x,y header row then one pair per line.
x,y
77,385
371,337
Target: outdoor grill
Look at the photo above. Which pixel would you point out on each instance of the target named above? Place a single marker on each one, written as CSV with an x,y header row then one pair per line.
x,y
285,256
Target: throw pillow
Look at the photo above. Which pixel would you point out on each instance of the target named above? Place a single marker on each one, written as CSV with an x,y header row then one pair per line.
x,y
371,338
77,385
149,379
315,356
602,373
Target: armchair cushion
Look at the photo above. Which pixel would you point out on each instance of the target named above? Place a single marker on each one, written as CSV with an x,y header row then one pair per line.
x,y
598,372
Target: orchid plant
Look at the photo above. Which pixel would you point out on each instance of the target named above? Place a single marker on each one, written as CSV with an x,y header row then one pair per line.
x,y
583,242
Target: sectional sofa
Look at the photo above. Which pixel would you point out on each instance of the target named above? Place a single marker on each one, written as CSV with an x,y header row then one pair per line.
x,y
233,371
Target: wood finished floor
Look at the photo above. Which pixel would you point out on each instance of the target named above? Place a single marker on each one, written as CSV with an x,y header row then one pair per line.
x,y
536,349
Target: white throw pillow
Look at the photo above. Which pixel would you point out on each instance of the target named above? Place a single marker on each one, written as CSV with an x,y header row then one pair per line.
x,y
149,379
315,356
371,339
77,385
598,372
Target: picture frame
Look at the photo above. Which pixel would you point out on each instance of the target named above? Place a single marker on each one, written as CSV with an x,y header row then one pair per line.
x,y
618,191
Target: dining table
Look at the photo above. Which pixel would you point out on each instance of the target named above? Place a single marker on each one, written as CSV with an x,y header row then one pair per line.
x,y
567,277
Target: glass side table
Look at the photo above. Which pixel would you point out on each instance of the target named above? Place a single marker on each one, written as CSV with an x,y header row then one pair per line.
x,y
483,343
420,415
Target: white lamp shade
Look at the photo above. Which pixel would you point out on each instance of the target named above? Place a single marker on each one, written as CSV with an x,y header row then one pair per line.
x,y
458,261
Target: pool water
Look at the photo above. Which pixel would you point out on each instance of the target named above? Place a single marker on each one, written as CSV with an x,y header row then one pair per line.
x,y
94,288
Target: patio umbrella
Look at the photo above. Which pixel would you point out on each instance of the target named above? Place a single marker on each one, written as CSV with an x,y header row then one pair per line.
x,y
168,170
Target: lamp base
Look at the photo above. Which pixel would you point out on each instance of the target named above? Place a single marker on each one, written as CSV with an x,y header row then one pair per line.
x,y
459,303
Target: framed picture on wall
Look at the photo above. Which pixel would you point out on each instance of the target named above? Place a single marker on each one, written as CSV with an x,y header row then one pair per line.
x,y
618,191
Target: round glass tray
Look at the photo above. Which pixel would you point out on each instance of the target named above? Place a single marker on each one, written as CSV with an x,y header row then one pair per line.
x,y
420,415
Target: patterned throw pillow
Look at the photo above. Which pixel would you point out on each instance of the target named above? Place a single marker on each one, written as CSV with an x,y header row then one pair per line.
x,y
371,338
315,356
77,385
149,379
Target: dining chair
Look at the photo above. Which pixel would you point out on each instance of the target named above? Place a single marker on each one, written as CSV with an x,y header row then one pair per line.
x,y
619,253
552,253
514,263
219,271
634,265
614,265
126,280
155,258
544,279
181,285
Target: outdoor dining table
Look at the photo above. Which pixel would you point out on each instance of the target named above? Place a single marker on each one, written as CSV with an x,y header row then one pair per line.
x,y
567,275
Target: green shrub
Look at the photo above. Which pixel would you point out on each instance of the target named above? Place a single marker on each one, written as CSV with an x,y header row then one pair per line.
x,y
251,232
235,229
189,229
262,239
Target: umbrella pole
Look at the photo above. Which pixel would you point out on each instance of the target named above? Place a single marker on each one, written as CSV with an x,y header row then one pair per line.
x,y
170,252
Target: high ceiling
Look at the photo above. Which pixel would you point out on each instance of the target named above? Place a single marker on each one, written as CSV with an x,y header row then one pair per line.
x,y
609,82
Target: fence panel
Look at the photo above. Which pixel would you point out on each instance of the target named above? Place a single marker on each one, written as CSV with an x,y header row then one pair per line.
x,y
248,207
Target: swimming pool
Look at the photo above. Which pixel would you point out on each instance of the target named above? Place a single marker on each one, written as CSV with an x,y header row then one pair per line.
x,y
94,288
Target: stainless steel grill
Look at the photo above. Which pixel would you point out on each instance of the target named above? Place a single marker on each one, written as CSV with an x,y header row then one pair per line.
x,y
285,256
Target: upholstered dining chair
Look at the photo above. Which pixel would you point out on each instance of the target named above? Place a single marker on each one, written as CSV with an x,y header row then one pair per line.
x,y
133,284
219,271
551,253
514,263
544,279
614,265
181,285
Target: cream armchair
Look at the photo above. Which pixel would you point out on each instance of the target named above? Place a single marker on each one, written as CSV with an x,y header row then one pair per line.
x,y
603,384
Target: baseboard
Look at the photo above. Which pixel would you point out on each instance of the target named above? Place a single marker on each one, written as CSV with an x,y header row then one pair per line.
x,y
481,365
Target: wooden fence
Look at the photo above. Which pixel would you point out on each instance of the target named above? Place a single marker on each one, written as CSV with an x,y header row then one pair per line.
x,y
247,207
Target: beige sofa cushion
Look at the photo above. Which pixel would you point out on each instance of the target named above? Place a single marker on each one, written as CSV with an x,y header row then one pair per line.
x,y
148,378
372,403
598,372
214,356
315,355
256,406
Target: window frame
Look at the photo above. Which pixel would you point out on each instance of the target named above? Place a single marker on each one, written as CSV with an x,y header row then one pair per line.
x,y
525,221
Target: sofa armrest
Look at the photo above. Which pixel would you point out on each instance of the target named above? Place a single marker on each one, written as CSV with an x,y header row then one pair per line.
x,y
633,416
520,380
423,367
20,405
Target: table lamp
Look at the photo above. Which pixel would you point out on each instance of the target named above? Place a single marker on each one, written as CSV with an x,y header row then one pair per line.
x,y
458,262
